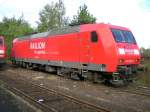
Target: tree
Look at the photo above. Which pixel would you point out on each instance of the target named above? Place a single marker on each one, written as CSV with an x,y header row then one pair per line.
x,y
145,52
11,28
83,17
52,16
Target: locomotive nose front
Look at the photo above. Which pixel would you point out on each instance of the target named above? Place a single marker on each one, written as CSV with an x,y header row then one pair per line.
x,y
2,50
128,51
128,54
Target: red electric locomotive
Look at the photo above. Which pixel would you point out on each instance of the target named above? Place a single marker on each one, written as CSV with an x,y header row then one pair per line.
x,y
2,51
102,51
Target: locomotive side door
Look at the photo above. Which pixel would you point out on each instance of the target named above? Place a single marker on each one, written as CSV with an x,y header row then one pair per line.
x,y
84,52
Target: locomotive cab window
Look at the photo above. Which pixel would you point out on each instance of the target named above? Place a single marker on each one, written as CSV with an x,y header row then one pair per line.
x,y
123,36
94,36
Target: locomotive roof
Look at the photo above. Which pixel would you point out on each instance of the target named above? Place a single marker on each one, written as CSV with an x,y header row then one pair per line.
x,y
52,32
67,30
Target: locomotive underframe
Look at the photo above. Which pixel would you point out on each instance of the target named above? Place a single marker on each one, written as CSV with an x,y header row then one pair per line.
x,y
96,73
124,74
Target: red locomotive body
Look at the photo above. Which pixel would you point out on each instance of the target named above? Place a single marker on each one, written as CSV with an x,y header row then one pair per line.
x,y
96,48
2,50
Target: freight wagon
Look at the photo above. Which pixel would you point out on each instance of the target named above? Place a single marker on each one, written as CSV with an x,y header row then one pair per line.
x,y
102,52
2,51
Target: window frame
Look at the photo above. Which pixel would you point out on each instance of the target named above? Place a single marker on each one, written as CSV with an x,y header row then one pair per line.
x,y
94,37
124,37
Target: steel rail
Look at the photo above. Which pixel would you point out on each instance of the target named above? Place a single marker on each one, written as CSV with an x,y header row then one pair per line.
x,y
136,92
75,100
67,97
20,93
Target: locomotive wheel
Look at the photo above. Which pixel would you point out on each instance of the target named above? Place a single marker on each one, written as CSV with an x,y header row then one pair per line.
x,y
95,78
13,62
41,68
119,83
74,76
80,77
98,78
59,72
28,66
24,65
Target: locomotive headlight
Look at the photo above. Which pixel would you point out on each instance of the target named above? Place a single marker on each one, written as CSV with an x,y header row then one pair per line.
x,y
136,51
121,51
1,51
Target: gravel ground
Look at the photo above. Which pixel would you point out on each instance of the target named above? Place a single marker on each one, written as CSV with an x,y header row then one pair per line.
x,y
95,93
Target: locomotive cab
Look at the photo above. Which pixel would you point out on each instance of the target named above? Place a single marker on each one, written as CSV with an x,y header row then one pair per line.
x,y
128,53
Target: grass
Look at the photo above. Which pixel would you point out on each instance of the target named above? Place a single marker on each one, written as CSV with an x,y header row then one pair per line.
x,y
147,65
144,77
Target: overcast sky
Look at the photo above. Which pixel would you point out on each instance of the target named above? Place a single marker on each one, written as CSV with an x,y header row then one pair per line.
x,y
134,14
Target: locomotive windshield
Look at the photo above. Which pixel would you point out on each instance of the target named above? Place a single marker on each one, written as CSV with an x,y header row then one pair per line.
x,y
123,36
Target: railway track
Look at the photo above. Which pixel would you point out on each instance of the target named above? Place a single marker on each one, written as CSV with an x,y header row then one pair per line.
x,y
47,99
144,91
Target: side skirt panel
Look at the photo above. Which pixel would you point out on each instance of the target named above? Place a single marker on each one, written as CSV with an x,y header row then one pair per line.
x,y
91,67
